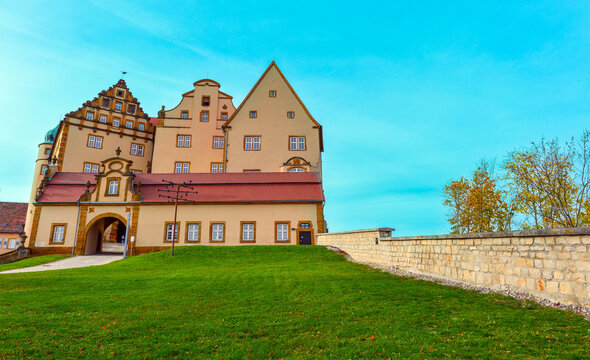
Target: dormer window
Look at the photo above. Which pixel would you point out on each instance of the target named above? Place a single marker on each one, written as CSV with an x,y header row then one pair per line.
x,y
120,93
272,93
206,101
113,187
131,108
89,115
253,114
184,114
118,106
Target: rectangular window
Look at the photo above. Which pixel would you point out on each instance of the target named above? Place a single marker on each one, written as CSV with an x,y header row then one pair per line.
x,y
95,141
181,167
282,231
253,114
251,143
116,122
131,108
90,168
296,142
224,116
184,114
113,187
12,243
103,119
272,93
251,171
47,151
193,232
3,243
171,232
118,105
120,93
129,124
204,116
141,126
248,232
135,171
106,102
291,114
216,168
218,142
136,149
183,141
217,232
58,234
43,169
206,101
89,115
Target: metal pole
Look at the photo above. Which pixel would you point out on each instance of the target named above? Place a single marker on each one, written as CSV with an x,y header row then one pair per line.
x,y
76,234
175,210
127,235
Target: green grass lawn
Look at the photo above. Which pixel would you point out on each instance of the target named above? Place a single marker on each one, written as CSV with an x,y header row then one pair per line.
x,y
268,302
34,261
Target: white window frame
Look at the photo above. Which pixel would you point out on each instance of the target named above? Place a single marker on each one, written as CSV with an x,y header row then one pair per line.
x,y
181,167
137,149
247,232
129,124
141,126
217,232
192,231
170,232
116,122
118,105
252,143
113,187
216,168
95,141
103,119
58,234
218,142
90,115
282,234
204,116
296,169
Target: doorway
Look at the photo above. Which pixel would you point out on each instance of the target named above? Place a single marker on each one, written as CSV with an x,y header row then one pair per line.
x,y
105,235
304,237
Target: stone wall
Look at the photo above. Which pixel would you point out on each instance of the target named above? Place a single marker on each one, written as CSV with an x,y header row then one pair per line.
x,y
550,264
15,255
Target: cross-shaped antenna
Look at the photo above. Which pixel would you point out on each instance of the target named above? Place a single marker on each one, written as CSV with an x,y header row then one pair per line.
x,y
123,74
172,191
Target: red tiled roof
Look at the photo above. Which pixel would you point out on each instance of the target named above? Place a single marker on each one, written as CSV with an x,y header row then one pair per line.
x,y
12,216
154,120
227,187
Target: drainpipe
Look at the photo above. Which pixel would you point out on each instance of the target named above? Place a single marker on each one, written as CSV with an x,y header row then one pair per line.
x,y
76,235
127,235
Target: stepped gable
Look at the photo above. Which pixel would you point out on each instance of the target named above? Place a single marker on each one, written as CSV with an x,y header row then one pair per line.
x,y
12,216
110,93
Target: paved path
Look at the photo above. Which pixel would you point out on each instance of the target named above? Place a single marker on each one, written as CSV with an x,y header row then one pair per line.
x,y
70,263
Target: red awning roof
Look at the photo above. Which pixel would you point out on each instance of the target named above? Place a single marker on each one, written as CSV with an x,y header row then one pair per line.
x,y
211,188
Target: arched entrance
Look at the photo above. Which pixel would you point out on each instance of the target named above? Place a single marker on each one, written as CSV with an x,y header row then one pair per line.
x,y
105,235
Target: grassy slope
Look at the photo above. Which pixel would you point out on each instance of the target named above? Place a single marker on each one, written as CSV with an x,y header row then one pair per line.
x,y
34,261
268,302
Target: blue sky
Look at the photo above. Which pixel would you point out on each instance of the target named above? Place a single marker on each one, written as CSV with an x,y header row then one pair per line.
x,y
411,94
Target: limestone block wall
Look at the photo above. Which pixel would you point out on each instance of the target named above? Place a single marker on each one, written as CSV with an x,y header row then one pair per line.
x,y
551,264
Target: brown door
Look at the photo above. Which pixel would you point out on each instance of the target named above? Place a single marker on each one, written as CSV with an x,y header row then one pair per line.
x,y
304,237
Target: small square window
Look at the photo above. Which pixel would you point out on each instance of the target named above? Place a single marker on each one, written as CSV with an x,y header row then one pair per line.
x,y
184,114
120,93
272,93
291,114
206,101
118,106
253,114
47,151
224,116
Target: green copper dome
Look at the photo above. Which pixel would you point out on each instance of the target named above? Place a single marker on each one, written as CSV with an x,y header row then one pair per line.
x,y
51,134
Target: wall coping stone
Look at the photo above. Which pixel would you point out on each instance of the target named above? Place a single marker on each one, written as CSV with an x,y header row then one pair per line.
x,y
500,234
360,231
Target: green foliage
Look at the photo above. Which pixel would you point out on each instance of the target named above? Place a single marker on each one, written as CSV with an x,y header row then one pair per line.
x,y
268,302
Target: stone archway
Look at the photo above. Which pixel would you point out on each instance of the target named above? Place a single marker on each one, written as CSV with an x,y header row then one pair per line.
x,y
105,234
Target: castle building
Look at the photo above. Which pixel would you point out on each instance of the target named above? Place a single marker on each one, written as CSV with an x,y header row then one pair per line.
x,y
251,175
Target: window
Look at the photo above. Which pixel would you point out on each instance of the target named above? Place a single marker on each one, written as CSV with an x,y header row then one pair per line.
x,y
118,105
251,143
90,168
129,124
136,149
291,114
217,233
251,171
193,232
216,168
183,141
181,167
113,188
296,142
184,114
141,126
206,101
106,102
47,151
248,231
171,233
272,93
120,93
103,119
116,122
131,108
253,114
95,141
12,243
3,243
224,116
89,115
204,116
218,142
58,234
296,169
43,169
135,171
282,231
